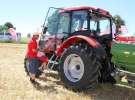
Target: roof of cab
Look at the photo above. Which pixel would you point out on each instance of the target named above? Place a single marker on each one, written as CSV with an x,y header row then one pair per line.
x,y
102,11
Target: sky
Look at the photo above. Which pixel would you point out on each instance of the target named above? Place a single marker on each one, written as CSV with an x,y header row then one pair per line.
x,y
28,15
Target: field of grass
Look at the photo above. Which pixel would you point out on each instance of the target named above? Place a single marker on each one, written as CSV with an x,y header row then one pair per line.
x,y
15,85
124,55
23,40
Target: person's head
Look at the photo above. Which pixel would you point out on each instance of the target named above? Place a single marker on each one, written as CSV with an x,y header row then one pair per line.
x,y
35,35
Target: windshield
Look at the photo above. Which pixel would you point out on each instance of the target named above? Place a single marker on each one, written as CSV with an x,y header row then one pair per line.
x,y
57,22
52,21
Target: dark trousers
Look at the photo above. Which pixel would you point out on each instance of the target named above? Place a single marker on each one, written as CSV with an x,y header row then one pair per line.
x,y
33,64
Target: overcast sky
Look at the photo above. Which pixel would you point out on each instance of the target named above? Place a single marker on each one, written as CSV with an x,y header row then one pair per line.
x,y
28,15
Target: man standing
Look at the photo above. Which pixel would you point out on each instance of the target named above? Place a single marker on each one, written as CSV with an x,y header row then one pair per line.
x,y
32,57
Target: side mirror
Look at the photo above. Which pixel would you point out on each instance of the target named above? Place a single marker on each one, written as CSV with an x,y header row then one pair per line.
x,y
44,30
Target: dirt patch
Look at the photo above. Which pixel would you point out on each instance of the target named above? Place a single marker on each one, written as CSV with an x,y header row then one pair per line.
x,y
15,85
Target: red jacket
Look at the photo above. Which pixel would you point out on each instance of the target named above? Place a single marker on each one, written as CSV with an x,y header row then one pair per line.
x,y
31,49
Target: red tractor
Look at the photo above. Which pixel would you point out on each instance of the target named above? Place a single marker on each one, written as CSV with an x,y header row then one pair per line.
x,y
78,42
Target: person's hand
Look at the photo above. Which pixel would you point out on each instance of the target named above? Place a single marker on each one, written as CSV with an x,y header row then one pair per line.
x,y
40,54
34,50
40,50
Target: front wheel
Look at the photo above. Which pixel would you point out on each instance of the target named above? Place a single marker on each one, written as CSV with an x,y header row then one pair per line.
x,y
79,67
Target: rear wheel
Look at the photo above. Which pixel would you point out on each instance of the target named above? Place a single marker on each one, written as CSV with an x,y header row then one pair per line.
x,y
79,68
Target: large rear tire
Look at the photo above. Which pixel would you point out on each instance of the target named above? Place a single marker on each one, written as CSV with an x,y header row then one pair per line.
x,y
79,67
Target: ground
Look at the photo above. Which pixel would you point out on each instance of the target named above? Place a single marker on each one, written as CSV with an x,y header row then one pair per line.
x,y
15,85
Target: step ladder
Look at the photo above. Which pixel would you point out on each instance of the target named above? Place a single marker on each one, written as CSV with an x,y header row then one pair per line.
x,y
52,62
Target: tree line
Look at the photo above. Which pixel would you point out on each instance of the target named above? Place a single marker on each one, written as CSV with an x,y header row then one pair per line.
x,y
6,26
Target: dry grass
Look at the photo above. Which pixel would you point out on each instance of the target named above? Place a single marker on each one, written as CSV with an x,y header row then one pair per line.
x,y
15,85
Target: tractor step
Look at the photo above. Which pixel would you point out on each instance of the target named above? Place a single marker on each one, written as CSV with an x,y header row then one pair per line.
x,y
52,62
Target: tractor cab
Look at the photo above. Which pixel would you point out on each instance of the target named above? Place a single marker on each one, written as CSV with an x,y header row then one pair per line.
x,y
62,23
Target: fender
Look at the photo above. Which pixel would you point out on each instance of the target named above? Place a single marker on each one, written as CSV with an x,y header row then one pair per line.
x,y
74,39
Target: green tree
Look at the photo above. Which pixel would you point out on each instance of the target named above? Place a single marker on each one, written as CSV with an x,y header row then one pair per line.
x,y
0,28
6,26
3,28
9,25
118,22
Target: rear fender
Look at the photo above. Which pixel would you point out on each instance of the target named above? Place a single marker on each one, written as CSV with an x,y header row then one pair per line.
x,y
100,52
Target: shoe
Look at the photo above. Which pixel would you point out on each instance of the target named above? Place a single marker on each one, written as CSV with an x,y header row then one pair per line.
x,y
42,76
41,69
34,82
38,73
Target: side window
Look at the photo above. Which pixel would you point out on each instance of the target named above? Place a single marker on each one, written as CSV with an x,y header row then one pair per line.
x,y
79,21
104,27
99,25
63,25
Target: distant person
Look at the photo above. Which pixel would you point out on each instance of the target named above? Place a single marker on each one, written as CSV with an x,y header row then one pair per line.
x,y
28,35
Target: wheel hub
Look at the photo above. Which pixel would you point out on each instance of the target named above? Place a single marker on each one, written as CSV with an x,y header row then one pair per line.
x,y
73,67
78,67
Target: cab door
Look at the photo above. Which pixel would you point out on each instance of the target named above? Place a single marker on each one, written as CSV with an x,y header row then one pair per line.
x,y
63,28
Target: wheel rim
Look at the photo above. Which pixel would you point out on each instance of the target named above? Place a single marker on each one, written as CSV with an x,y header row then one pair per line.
x,y
73,67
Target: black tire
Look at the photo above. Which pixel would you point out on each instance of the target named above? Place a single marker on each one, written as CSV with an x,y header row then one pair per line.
x,y
25,66
91,67
26,70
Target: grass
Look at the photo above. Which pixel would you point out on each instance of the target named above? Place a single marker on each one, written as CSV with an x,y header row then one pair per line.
x,y
124,56
23,40
15,85
1,41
